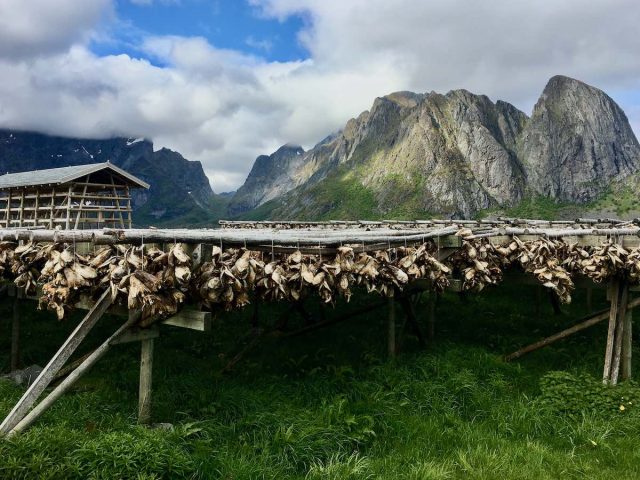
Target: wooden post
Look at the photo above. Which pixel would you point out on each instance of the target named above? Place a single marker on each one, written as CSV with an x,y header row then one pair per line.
x,y
21,215
56,363
613,315
9,210
627,345
15,333
620,320
53,206
82,201
146,376
391,328
68,220
36,212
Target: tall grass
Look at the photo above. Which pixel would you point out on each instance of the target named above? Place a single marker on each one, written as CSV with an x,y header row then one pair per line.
x,y
329,405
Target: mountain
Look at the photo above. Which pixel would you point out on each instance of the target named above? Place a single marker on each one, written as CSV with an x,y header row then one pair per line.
x,y
454,155
268,178
577,141
180,192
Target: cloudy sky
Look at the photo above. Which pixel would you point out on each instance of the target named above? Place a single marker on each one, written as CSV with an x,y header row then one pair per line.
x,y
223,81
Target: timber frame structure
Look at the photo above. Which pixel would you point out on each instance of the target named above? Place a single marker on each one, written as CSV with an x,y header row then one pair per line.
x,y
451,237
77,197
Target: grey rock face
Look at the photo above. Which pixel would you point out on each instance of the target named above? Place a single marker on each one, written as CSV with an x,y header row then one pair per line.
x,y
577,141
270,177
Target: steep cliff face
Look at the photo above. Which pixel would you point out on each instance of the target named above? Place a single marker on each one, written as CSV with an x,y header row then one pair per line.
x,y
577,141
270,177
452,154
179,187
457,154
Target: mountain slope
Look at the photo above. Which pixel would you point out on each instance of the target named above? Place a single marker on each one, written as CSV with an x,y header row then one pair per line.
x,y
268,179
180,191
416,155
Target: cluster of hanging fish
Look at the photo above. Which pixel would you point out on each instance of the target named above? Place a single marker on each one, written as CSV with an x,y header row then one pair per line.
x,y
229,277
158,282
154,282
552,262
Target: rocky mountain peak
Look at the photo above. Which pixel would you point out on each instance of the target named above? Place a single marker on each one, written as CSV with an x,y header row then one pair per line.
x,y
270,176
577,142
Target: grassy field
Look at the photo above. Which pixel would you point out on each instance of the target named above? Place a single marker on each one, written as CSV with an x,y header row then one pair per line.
x,y
329,405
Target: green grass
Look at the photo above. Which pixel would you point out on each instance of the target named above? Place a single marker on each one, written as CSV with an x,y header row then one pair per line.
x,y
543,208
329,405
622,198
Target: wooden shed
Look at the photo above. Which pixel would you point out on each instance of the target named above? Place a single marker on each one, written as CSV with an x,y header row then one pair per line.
x,y
80,197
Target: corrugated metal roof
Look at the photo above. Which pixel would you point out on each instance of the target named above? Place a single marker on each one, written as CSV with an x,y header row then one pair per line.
x,y
57,176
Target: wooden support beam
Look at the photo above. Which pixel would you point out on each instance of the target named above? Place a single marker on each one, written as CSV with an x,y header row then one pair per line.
x,y
191,319
117,202
67,220
8,211
622,313
582,325
21,214
55,364
146,380
613,294
627,346
81,204
74,376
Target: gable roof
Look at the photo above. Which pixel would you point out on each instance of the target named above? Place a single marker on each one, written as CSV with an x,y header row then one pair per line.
x,y
58,176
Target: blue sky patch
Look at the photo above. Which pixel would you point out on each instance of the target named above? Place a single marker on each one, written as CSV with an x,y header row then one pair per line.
x,y
228,24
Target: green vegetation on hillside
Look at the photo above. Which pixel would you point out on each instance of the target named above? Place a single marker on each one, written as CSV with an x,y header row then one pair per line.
x,y
543,208
329,405
185,214
623,198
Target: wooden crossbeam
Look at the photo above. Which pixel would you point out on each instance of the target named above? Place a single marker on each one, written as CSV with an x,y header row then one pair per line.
x,y
56,363
73,377
582,325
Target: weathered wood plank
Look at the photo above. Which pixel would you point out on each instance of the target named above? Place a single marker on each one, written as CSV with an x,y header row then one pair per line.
x,y
614,291
191,319
146,381
621,314
627,346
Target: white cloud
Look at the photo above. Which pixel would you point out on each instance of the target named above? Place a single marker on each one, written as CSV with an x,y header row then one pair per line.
x,y
40,27
224,107
146,3
265,44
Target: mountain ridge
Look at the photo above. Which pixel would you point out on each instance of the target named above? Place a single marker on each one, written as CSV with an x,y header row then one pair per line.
x,y
455,155
180,191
